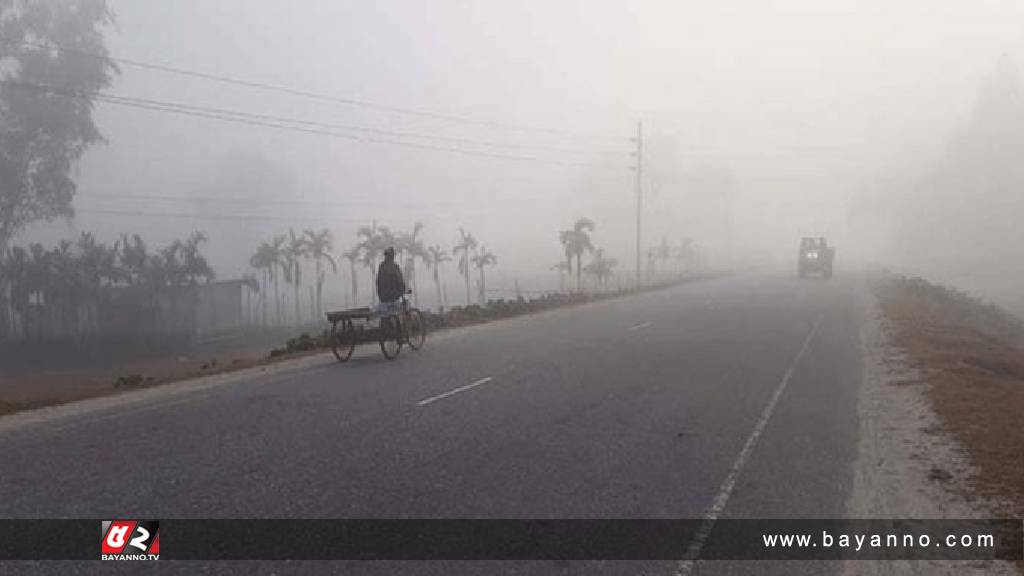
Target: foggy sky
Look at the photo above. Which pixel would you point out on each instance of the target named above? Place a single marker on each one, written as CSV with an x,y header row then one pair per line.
x,y
804,103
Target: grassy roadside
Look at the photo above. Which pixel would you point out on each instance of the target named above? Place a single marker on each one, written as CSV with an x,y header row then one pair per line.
x,y
47,389
971,356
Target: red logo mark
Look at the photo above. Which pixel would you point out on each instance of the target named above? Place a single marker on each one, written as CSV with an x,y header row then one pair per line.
x,y
130,540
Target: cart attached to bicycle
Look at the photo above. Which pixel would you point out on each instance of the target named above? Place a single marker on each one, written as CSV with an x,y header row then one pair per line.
x,y
391,329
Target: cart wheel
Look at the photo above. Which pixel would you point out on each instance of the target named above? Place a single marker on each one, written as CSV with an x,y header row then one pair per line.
x,y
343,339
390,339
415,329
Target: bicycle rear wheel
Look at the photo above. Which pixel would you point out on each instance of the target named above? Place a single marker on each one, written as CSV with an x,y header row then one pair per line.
x,y
390,339
415,329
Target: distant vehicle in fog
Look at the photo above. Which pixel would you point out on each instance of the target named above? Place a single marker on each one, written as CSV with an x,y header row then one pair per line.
x,y
815,257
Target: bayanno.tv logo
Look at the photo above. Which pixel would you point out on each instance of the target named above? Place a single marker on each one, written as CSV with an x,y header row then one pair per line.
x,y
130,540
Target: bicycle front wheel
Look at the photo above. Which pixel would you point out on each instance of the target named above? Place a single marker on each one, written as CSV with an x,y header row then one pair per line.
x,y
415,329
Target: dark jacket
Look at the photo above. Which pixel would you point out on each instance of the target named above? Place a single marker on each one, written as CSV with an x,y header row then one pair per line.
x,y
390,284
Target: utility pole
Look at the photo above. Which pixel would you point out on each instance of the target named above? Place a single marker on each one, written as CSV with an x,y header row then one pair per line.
x,y
639,197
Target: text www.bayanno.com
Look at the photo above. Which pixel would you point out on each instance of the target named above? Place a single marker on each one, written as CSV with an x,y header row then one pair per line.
x,y
858,542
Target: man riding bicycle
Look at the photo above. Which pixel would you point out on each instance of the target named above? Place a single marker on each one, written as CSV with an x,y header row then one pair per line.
x,y
390,283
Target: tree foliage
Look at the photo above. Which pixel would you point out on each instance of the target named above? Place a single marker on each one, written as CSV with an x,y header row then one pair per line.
x,y
44,134
72,272
576,241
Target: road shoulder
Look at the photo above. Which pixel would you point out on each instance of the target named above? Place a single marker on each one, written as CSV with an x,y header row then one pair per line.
x,y
908,465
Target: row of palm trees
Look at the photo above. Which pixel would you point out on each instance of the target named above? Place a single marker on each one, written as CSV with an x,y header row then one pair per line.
x,y
282,257
576,242
71,279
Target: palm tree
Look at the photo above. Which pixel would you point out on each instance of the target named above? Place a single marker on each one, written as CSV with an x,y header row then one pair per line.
x,y
577,241
194,266
374,240
353,256
482,259
319,246
252,285
601,268
278,264
563,267
466,245
295,250
435,257
264,259
409,247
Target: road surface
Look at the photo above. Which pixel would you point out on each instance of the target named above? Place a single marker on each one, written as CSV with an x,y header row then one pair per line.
x,y
734,396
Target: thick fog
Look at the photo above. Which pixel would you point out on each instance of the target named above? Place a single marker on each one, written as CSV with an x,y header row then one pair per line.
x,y
893,127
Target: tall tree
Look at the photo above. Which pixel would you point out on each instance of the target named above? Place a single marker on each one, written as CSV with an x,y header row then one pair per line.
x,y
464,248
252,285
353,256
435,257
411,248
276,253
576,241
264,259
43,134
482,259
373,241
319,245
294,251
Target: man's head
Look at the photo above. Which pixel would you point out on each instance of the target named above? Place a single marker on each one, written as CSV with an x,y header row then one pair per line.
x,y
389,254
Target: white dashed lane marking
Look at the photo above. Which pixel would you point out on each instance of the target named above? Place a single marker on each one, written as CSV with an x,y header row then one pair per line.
x,y
454,392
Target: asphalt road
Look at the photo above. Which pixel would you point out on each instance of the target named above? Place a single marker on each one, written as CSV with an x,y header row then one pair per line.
x,y
735,396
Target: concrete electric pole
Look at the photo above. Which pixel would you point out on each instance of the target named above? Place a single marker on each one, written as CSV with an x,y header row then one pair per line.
x,y
639,197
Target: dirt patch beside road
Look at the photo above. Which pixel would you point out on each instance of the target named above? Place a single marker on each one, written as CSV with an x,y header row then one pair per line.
x,y
970,357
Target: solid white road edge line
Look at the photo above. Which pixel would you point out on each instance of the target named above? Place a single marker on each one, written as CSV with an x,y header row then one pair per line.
x,y
454,392
685,567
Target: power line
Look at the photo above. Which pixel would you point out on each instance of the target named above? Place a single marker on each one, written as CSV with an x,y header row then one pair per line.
x,y
247,118
267,201
210,216
315,95
348,127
